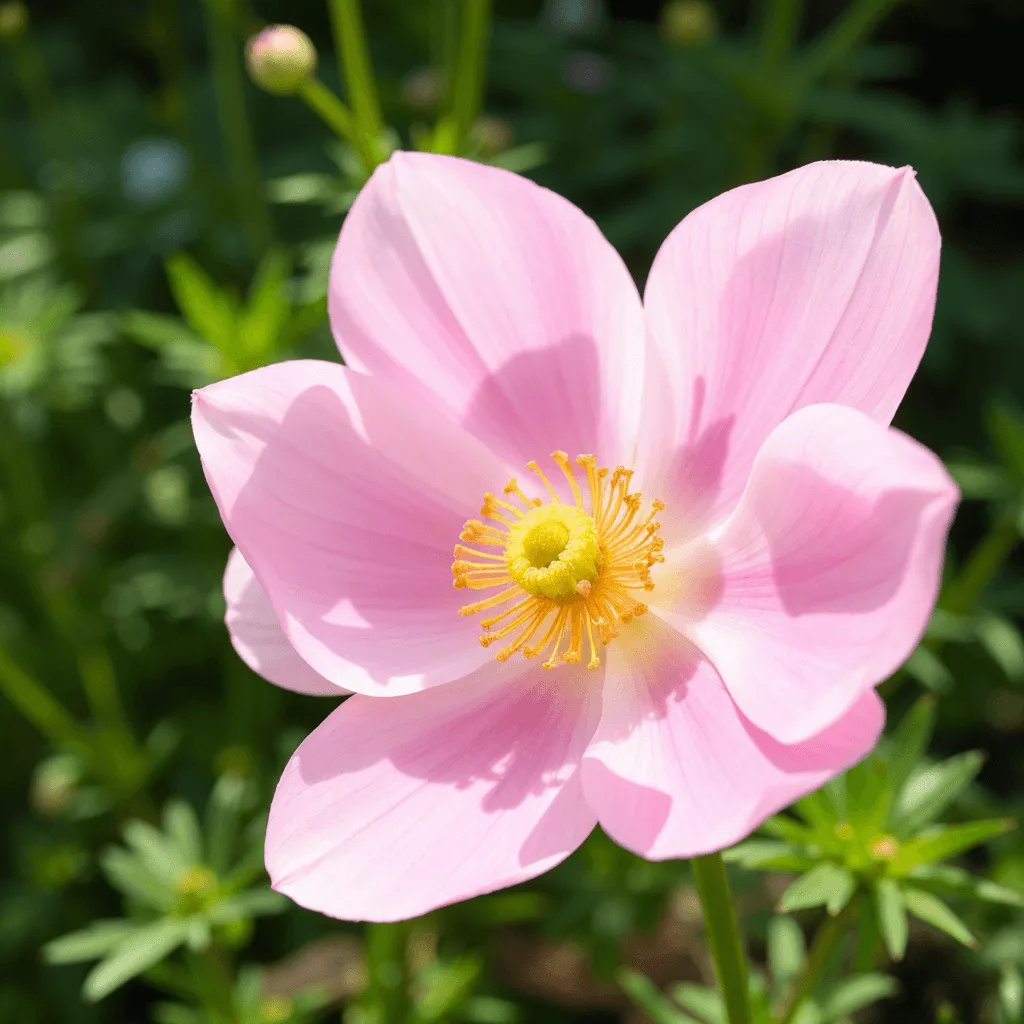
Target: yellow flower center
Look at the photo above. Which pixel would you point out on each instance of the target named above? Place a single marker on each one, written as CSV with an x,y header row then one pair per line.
x,y
566,572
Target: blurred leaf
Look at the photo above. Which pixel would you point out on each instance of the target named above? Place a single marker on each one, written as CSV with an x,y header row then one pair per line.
x,y
892,917
255,903
125,872
930,909
91,942
787,950
853,994
953,880
1011,995
910,741
146,946
701,1001
181,823
1006,428
160,856
929,670
263,321
208,310
826,884
944,842
1004,644
768,855
929,791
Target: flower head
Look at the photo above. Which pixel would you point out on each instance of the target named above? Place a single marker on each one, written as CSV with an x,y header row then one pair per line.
x,y
685,543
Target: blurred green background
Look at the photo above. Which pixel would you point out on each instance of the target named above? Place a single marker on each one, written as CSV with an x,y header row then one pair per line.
x,y
163,222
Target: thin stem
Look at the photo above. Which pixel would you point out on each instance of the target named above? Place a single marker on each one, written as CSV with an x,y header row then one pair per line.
x,y
829,935
843,36
387,989
723,935
779,29
330,109
868,938
350,39
980,569
467,88
229,85
40,707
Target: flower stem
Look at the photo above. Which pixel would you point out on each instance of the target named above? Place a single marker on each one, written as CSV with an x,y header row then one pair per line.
x,y
468,78
353,52
229,86
779,30
829,935
723,935
387,988
330,109
843,36
981,566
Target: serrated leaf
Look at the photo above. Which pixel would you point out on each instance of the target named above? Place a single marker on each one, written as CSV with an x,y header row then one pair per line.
x,y
944,842
929,908
892,917
956,881
144,948
853,994
209,310
827,884
648,997
787,950
929,791
910,740
90,943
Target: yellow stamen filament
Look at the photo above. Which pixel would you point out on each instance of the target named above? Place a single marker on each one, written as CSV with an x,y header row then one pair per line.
x,y
568,573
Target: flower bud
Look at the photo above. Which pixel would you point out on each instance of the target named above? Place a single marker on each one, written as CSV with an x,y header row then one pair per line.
x,y
280,59
13,21
688,22
423,90
491,135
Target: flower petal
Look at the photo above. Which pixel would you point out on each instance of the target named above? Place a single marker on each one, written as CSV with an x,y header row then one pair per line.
x,y
498,299
394,807
258,638
346,496
675,770
815,286
827,572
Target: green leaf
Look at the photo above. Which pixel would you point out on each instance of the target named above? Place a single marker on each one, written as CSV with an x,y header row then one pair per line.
x,y
853,994
155,330
145,947
930,909
255,903
90,943
162,857
782,826
787,950
957,882
704,1002
870,794
892,917
768,855
648,997
1004,644
1011,995
946,841
209,311
929,670
980,481
182,825
1006,428
127,873
261,325
929,791
223,817
818,810
910,740
826,884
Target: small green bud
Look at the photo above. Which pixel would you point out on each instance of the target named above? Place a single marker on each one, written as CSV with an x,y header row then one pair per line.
x,y
688,22
491,135
423,90
13,21
280,59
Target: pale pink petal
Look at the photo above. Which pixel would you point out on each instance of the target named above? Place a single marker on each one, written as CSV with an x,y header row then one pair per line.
x,y
826,574
675,770
394,807
499,300
346,496
257,636
816,286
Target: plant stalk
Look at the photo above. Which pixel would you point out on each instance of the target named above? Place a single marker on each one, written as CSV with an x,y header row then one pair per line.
x,y
468,77
723,936
826,941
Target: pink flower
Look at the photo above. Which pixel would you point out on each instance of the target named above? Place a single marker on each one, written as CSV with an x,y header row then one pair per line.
x,y
712,658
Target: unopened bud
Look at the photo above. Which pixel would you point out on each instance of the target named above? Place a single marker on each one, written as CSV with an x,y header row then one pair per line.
x,y
13,21
280,59
422,90
491,135
688,22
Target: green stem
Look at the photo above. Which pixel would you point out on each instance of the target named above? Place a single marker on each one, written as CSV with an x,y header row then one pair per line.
x,y
350,40
40,707
723,935
780,28
229,86
330,110
468,80
387,991
981,567
869,938
843,36
827,940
